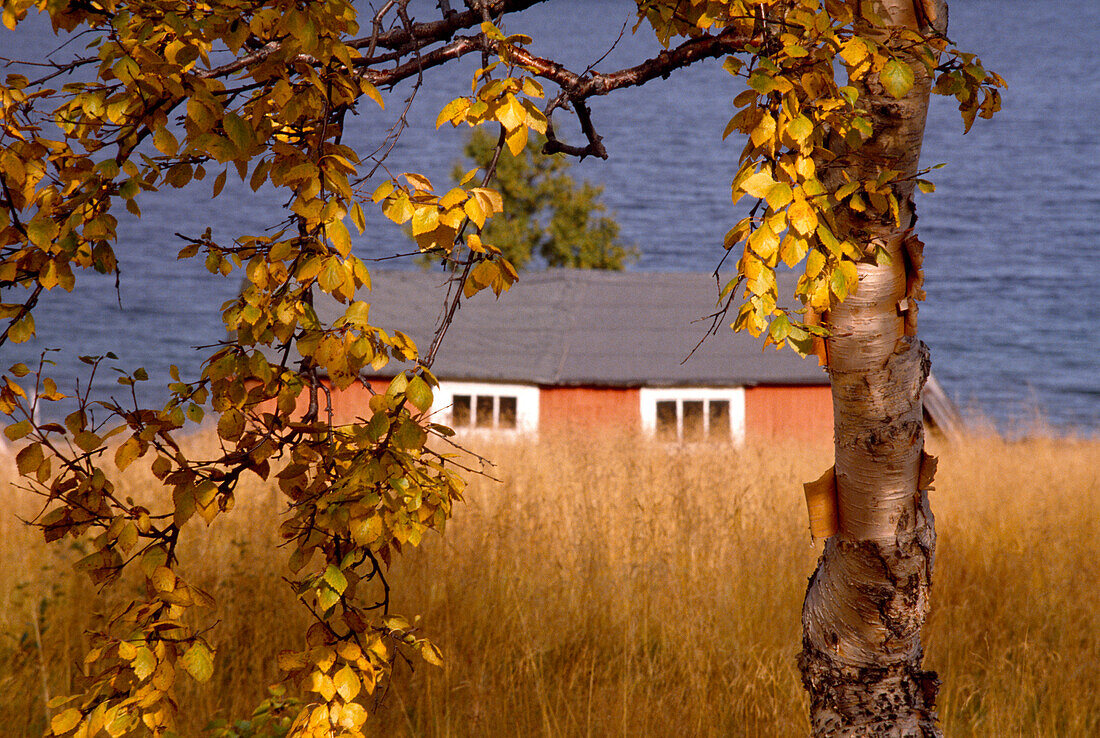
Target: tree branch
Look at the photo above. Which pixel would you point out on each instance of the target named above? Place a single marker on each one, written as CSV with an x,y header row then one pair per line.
x,y
580,87
440,29
576,88
459,47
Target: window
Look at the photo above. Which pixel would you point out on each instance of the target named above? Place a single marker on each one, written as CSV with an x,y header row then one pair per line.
x,y
718,425
694,414
667,427
693,427
460,411
483,411
506,412
485,407
486,412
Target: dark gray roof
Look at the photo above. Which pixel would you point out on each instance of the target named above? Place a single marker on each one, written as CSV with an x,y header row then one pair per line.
x,y
578,327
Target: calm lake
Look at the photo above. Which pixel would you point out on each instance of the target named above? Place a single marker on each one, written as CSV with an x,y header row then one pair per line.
x,y
1011,259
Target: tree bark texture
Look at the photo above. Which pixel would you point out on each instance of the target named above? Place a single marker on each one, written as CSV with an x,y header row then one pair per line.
x,y
869,597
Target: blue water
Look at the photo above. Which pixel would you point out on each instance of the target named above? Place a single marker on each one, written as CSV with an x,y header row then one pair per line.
x,y
1012,275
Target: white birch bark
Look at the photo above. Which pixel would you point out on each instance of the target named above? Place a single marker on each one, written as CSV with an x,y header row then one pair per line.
x,y
868,599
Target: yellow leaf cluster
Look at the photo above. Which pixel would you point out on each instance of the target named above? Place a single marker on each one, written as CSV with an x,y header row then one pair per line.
x,y
437,221
507,101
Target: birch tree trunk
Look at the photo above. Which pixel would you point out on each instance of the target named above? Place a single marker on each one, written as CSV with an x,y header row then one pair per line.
x,y
868,599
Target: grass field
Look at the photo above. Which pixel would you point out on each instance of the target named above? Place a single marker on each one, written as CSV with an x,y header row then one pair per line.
x,y
619,588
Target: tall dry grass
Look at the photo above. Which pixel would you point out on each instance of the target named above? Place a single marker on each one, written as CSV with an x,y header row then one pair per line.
x,y
620,588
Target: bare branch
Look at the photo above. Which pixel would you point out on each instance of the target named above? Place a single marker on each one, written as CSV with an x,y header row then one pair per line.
x,y
576,88
580,87
459,47
377,25
441,29
553,145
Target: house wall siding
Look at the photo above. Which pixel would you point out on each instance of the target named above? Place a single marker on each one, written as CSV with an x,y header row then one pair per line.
x,y
347,404
589,407
789,412
353,402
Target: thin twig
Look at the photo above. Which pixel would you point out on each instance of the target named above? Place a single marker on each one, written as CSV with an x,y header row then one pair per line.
x,y
456,300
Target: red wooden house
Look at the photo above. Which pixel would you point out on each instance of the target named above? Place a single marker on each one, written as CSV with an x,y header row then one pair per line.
x,y
569,348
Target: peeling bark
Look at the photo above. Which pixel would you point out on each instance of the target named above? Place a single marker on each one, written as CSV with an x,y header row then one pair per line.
x,y
868,599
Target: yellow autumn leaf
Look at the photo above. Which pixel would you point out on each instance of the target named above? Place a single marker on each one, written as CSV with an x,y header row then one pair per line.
x,y
398,209
758,185
198,660
792,249
491,200
352,716
517,140
453,197
322,685
511,113
532,87
372,92
800,128
431,653
425,219
347,683
474,211
778,195
338,234
383,191
349,650
65,721
418,181
453,112
897,78
358,218
163,579
853,51
165,142
802,217
764,243
764,130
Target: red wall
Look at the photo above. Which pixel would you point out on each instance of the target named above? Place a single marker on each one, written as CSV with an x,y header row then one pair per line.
x,y
589,407
347,405
798,413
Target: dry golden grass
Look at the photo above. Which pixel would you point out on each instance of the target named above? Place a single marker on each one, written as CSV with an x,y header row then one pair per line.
x,y
618,588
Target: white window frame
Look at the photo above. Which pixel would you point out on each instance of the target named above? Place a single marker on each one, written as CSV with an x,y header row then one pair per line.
x,y
648,398
527,405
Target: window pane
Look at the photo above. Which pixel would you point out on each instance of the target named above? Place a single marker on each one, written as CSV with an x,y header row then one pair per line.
x,y
719,420
460,411
693,420
666,420
507,411
484,417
